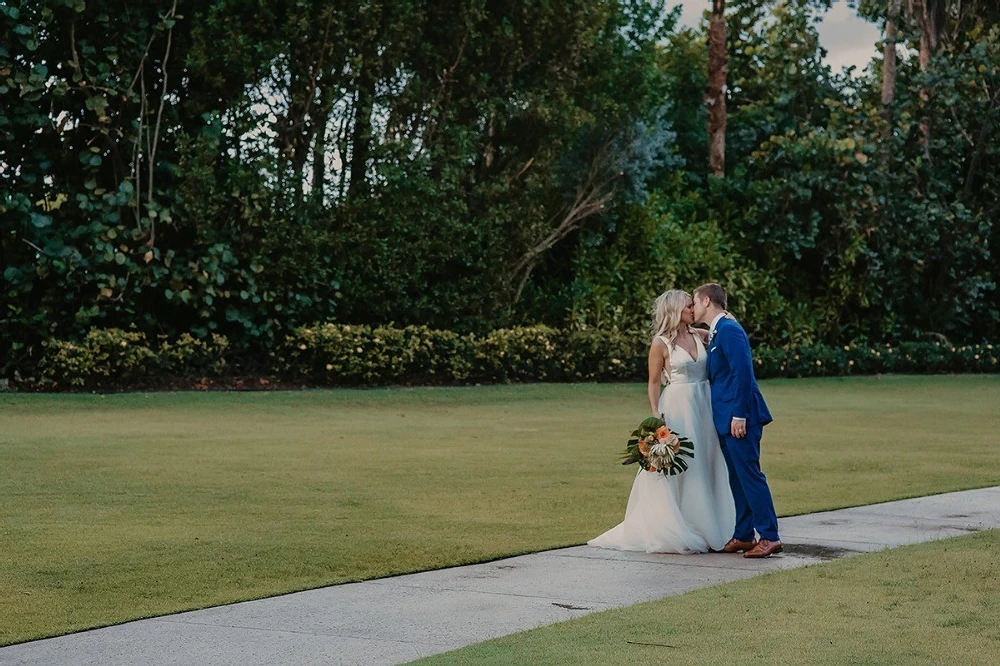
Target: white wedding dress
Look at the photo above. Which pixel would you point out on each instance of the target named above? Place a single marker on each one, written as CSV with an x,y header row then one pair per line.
x,y
693,511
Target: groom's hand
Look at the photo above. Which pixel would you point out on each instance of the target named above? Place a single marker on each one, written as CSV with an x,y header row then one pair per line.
x,y
738,428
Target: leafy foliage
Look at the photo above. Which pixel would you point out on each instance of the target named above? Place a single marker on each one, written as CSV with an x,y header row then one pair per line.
x,y
346,355
241,168
116,358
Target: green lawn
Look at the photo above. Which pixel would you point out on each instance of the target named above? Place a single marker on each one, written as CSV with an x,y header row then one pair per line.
x,y
931,604
125,506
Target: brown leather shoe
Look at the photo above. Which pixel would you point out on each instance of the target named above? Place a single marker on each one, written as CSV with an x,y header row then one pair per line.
x,y
764,548
734,545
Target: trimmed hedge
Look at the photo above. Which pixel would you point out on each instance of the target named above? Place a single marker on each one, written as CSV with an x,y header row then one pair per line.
x,y
863,359
344,355
113,358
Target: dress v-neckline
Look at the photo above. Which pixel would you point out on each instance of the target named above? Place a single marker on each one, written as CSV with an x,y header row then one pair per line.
x,y
695,336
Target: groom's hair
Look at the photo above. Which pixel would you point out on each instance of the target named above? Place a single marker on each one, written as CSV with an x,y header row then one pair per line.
x,y
715,293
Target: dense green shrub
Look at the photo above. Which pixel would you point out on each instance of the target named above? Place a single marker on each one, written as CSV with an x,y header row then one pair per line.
x,y
343,355
526,353
188,356
104,357
113,358
330,354
590,354
864,359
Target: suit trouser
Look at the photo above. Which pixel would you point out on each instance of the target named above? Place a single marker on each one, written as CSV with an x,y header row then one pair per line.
x,y
754,506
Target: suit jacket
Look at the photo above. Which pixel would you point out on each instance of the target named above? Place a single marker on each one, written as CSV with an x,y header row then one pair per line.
x,y
734,387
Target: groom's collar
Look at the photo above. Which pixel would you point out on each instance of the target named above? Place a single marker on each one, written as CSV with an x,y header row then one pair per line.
x,y
715,322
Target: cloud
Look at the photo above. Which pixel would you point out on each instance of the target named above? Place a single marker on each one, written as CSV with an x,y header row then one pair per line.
x,y
847,38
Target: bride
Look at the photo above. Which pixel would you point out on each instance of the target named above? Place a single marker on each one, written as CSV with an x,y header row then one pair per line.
x,y
692,512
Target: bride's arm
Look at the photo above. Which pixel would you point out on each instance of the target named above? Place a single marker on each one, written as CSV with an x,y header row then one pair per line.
x,y
657,355
701,333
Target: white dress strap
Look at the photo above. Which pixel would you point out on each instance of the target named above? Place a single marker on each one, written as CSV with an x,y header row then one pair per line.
x,y
665,373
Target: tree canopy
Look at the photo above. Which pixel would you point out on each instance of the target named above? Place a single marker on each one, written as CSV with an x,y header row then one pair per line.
x,y
245,167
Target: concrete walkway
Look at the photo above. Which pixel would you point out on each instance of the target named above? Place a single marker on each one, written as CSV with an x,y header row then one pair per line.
x,y
399,619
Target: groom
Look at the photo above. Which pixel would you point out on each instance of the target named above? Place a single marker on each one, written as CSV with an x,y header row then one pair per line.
x,y
740,416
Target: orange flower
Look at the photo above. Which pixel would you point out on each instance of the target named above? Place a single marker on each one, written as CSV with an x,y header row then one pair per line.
x,y
662,432
653,469
643,447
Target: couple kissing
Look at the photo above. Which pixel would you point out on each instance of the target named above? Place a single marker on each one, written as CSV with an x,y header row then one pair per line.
x,y
702,384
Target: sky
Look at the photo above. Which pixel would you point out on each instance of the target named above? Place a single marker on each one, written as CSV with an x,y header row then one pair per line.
x,y
848,39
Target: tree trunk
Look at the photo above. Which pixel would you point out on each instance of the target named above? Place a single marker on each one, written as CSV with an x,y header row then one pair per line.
x,y
361,132
319,145
889,58
323,118
295,130
716,96
979,149
931,14
889,75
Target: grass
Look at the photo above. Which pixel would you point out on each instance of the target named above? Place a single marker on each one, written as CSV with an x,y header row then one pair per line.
x,y
934,603
124,506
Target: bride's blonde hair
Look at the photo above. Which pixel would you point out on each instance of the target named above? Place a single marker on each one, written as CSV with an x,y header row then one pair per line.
x,y
667,309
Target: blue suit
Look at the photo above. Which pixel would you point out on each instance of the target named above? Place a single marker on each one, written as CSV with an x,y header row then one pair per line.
x,y
735,394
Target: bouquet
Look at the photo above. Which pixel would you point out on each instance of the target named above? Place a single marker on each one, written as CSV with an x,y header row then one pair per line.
x,y
656,448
